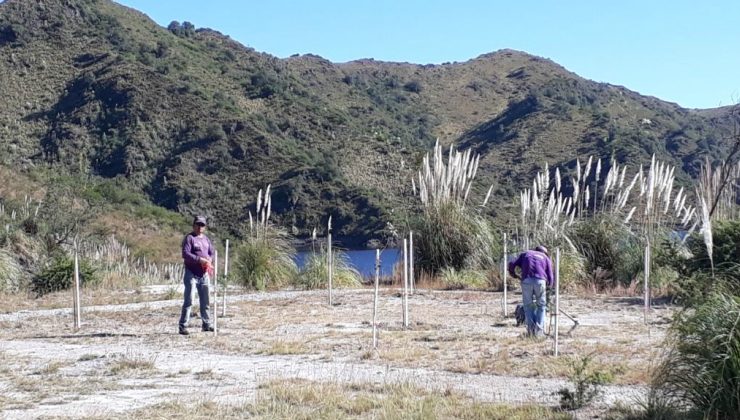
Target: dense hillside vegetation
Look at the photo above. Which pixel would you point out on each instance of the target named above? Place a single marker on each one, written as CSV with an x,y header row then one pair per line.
x,y
198,123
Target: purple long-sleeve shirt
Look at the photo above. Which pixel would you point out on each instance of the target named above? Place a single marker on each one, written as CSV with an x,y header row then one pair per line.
x,y
534,264
193,248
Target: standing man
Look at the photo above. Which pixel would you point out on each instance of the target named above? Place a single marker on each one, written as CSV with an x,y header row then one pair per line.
x,y
197,254
536,276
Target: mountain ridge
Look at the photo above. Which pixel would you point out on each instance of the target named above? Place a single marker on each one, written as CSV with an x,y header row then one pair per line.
x,y
200,122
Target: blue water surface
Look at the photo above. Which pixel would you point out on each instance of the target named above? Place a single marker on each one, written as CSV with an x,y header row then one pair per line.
x,y
363,260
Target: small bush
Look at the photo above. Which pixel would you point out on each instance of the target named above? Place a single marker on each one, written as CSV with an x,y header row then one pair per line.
x,y
694,280
463,279
265,260
586,383
315,273
59,275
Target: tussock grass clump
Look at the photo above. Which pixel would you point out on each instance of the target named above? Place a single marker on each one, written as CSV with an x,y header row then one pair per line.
x,y
265,262
448,233
456,237
608,245
572,269
265,259
315,274
463,279
702,367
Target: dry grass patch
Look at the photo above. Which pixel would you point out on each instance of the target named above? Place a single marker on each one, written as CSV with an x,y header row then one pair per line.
x,y
51,368
282,347
301,399
132,362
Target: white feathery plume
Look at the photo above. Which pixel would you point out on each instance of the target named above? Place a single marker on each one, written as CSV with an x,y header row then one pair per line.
x,y
629,215
488,195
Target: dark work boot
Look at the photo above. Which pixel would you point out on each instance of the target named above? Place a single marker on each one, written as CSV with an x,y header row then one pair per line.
x,y
208,328
183,331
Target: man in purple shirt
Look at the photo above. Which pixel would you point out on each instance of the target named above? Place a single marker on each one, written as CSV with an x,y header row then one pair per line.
x,y
197,254
536,275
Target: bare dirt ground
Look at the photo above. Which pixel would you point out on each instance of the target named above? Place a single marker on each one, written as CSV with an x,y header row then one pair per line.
x,y
129,356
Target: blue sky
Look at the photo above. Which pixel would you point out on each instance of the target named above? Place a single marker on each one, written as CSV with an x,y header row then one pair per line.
x,y
679,51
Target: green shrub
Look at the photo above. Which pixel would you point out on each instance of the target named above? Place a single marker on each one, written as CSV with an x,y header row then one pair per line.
x,y
586,384
315,273
695,280
702,366
608,245
463,279
59,275
265,260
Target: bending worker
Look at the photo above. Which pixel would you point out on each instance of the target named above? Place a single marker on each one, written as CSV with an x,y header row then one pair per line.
x,y
536,277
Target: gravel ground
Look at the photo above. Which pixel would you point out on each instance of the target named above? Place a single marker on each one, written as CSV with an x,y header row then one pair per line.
x,y
129,356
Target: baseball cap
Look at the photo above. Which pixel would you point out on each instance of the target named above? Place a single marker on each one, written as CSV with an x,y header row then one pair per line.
x,y
200,220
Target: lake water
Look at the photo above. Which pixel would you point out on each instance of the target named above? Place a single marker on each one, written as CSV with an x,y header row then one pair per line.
x,y
363,260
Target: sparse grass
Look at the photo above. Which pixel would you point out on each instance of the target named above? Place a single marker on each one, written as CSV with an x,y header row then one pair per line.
x,y
51,368
132,361
299,399
89,356
282,347
463,279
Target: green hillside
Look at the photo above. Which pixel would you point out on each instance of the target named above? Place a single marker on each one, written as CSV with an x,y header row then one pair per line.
x,y
198,122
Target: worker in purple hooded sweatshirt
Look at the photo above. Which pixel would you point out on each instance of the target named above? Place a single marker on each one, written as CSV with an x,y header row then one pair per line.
x,y
197,254
537,277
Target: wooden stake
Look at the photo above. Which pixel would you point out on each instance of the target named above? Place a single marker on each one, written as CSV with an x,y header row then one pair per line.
x,y
215,292
375,299
405,285
76,293
226,278
647,281
506,277
557,296
411,262
329,260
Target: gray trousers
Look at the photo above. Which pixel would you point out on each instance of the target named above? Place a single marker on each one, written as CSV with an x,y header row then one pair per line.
x,y
201,285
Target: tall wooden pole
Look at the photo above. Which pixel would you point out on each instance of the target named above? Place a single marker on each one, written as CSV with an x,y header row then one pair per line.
x,y
330,260
506,277
411,262
405,284
557,296
76,293
647,281
215,292
375,299
226,278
